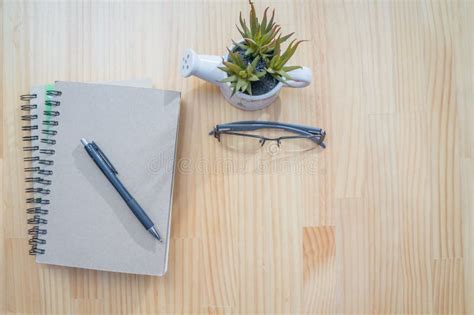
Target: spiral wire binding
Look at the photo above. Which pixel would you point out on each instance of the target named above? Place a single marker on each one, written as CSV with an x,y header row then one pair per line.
x,y
39,158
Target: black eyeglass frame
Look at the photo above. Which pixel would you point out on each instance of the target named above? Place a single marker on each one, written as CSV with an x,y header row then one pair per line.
x,y
316,135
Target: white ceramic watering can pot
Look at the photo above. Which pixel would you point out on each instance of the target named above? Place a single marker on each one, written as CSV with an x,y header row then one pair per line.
x,y
206,68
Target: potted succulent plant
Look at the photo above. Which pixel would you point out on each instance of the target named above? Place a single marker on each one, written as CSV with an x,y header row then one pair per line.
x,y
255,68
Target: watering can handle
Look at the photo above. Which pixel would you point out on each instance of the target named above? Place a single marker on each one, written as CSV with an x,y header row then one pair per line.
x,y
299,78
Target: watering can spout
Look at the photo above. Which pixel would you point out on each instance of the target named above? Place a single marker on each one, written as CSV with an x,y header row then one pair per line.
x,y
202,66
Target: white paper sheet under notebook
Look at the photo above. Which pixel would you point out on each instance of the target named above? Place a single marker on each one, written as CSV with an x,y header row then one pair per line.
x,y
89,225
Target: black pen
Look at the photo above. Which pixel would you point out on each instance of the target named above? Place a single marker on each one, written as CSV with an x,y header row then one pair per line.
x,y
111,173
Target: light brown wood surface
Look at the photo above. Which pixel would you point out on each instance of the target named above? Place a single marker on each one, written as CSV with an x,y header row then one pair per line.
x,y
380,222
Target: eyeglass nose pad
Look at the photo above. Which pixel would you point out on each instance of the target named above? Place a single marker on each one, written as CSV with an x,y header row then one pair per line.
x,y
262,142
278,142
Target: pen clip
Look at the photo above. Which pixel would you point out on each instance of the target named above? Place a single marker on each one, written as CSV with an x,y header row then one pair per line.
x,y
104,157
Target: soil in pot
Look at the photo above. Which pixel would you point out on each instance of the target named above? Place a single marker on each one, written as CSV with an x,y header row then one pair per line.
x,y
266,83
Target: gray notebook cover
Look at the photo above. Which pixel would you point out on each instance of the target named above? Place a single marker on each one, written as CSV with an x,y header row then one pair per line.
x,y
89,225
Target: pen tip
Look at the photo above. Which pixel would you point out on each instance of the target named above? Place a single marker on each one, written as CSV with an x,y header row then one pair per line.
x,y
155,234
84,141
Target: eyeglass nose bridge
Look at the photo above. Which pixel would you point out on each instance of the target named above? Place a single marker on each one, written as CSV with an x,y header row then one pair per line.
x,y
263,140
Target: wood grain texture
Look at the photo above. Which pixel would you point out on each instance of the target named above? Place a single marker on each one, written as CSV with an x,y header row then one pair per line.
x,y
379,222
319,273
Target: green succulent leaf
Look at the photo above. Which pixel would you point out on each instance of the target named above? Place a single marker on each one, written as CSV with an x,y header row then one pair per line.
x,y
259,37
285,38
255,63
289,52
260,74
291,68
249,89
253,18
270,70
240,76
244,25
279,78
232,67
240,45
225,69
269,36
229,79
276,67
283,74
276,50
235,58
270,23
263,25
250,42
254,78
240,84
240,31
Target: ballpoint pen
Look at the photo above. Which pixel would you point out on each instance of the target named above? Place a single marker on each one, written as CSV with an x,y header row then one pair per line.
x,y
111,173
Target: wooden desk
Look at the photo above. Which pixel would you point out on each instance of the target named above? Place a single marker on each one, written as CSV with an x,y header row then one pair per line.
x,y
380,221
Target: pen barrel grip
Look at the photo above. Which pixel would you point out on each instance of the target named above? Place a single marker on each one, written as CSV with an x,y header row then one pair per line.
x,y
137,210
126,196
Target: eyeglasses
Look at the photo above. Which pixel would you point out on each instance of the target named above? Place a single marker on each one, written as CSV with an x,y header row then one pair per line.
x,y
244,135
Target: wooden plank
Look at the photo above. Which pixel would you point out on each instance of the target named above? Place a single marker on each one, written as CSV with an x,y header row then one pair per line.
x,y
448,286
415,210
467,204
319,273
465,111
3,249
383,192
353,239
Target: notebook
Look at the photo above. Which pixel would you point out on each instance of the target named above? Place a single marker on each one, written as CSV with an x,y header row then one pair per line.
x,y
87,224
40,142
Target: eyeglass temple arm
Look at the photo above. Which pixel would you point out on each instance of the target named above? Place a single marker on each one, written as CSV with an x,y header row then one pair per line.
x,y
256,122
245,127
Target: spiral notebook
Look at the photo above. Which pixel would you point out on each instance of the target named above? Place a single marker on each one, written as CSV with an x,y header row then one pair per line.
x,y
78,219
